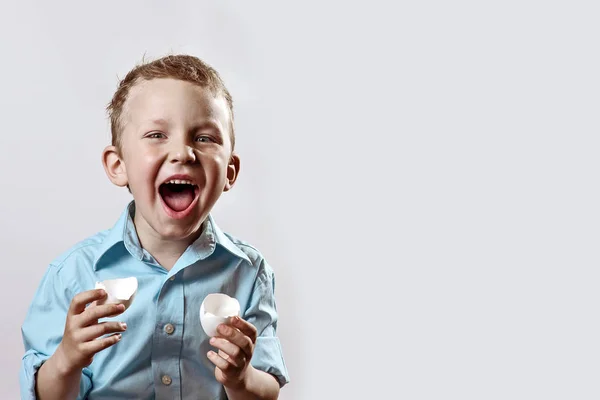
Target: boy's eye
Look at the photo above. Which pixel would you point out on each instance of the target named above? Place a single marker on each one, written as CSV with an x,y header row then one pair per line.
x,y
204,139
155,135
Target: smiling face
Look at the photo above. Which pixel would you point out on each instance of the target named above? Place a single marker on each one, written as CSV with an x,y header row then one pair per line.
x,y
176,156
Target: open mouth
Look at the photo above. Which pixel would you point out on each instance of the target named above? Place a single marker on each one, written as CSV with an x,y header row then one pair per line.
x,y
178,195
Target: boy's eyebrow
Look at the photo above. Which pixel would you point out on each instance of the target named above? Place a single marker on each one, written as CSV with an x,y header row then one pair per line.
x,y
160,121
209,123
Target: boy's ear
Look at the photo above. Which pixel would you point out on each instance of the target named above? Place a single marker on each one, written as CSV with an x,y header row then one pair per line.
x,y
114,166
233,170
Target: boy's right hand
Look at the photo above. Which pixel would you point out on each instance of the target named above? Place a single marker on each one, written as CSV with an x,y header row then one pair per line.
x,y
80,339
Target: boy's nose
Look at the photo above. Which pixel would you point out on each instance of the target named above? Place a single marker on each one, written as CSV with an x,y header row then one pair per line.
x,y
183,154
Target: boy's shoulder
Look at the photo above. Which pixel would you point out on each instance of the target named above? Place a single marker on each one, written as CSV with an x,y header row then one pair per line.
x,y
264,271
253,254
83,251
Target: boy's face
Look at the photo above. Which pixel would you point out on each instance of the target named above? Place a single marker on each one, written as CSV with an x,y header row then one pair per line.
x,y
177,132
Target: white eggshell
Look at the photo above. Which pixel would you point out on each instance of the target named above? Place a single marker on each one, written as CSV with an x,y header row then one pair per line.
x,y
217,308
120,291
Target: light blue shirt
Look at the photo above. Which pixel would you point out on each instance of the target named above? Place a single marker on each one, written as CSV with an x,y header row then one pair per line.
x,y
148,355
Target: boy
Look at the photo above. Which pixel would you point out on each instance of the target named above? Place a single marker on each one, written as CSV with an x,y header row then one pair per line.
x,y
173,147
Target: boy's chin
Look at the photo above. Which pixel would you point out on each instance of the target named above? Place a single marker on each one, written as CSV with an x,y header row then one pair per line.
x,y
179,232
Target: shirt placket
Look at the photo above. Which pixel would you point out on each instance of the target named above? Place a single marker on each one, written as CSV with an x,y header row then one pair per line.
x,y
167,341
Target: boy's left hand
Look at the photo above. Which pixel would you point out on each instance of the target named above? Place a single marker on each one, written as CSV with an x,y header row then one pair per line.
x,y
235,342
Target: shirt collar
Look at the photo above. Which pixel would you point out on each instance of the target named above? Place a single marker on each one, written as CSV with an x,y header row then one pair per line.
x,y
223,240
124,232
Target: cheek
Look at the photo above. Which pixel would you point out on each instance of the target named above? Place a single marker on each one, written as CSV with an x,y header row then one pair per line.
x,y
142,167
216,170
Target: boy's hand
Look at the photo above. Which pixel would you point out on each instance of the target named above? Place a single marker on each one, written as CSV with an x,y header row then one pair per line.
x,y
236,346
80,339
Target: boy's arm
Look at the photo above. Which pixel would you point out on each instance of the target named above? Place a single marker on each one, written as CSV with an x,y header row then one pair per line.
x,y
59,377
68,330
262,313
42,332
259,385
236,342
249,361
36,379
54,383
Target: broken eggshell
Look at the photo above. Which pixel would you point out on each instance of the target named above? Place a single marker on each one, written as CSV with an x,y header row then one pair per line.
x,y
119,291
217,308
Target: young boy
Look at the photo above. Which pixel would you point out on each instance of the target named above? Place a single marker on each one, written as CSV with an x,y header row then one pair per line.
x,y
173,147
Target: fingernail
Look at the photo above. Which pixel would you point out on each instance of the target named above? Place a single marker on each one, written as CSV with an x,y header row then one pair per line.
x,y
213,340
123,325
119,336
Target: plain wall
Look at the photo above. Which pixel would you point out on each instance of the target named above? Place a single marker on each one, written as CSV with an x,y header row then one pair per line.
x,y
422,176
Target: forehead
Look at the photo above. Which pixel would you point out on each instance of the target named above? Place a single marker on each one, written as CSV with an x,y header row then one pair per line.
x,y
174,101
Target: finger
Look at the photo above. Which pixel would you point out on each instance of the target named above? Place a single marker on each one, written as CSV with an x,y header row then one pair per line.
x,y
82,299
245,327
104,328
91,315
233,353
236,337
94,346
221,363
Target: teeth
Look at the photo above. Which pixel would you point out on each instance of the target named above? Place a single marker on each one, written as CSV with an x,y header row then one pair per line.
x,y
179,182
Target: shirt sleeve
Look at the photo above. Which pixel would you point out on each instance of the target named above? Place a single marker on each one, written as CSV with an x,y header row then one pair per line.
x,y
262,313
42,331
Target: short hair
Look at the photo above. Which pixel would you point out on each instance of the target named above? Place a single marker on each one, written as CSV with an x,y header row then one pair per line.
x,y
183,67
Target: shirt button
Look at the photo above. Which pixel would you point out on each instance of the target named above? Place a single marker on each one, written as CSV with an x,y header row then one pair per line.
x,y
166,380
169,329
172,278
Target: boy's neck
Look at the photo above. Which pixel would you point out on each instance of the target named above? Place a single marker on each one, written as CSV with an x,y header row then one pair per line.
x,y
165,251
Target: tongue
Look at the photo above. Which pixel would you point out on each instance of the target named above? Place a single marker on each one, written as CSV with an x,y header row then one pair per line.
x,y
177,200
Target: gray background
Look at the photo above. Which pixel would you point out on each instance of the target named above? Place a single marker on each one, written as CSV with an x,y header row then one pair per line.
x,y
421,175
